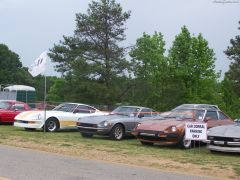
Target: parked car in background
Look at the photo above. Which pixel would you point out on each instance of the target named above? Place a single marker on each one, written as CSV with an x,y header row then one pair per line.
x,y
117,124
171,129
225,138
10,108
63,116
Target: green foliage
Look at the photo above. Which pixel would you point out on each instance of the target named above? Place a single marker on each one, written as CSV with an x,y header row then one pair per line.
x,y
57,92
186,76
233,53
11,69
39,84
92,61
230,100
151,70
231,83
192,61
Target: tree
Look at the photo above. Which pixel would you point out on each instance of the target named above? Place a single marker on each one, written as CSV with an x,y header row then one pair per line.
x,y
192,62
57,91
150,71
233,53
92,60
39,84
11,69
230,100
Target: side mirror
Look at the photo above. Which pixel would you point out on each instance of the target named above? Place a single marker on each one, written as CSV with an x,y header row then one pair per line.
x,y
206,119
141,115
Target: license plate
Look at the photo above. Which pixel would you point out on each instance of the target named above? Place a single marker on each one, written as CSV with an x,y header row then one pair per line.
x,y
147,134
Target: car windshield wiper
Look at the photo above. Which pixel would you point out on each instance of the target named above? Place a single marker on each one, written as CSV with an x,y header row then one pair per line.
x,y
170,117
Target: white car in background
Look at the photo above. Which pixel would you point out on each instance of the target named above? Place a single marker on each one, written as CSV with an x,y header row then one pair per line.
x,y
63,116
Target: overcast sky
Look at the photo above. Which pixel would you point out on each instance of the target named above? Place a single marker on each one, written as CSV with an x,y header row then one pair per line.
x,y
28,27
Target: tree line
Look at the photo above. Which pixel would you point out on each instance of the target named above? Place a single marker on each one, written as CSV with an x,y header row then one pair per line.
x,y
96,67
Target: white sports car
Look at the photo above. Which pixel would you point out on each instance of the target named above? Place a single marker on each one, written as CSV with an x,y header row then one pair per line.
x,y
63,116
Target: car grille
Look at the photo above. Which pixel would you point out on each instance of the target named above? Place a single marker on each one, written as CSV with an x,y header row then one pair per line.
x,y
151,132
21,121
87,125
218,138
156,135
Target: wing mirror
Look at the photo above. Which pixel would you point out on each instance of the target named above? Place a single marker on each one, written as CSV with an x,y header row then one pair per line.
x,y
141,115
206,119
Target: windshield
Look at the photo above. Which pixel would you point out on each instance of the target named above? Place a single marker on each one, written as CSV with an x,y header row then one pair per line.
x,y
181,114
126,110
4,105
186,114
65,107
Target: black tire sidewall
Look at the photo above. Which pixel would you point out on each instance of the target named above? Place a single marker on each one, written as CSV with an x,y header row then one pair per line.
x,y
86,135
51,120
181,142
112,134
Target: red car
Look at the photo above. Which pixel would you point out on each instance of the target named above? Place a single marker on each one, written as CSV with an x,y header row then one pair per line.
x,y
10,108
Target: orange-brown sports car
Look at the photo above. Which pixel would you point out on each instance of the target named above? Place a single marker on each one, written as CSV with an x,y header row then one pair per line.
x,y
171,129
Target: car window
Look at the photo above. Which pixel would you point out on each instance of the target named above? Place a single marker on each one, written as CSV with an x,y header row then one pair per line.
x,y
181,114
18,107
65,107
84,109
211,115
126,110
199,114
222,116
4,105
146,112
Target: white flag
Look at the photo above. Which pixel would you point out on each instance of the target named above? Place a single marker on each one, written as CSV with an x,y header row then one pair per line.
x,y
39,65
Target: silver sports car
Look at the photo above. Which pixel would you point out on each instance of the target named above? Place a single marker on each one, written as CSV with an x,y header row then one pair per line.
x,y
225,138
117,124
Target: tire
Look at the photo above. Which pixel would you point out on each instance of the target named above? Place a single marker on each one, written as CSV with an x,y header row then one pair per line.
x,y
51,125
185,144
86,135
146,143
117,132
30,129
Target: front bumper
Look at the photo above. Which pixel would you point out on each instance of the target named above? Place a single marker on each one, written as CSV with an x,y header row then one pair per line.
x,y
223,146
157,137
28,124
94,130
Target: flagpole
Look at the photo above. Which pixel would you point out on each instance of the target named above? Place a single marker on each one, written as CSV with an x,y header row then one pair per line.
x,y
38,67
44,103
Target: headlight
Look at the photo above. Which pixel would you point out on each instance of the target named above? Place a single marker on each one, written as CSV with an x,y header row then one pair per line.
x,y
138,125
105,123
174,129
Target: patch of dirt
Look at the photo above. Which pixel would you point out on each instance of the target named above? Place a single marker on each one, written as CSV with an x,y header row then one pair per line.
x,y
146,161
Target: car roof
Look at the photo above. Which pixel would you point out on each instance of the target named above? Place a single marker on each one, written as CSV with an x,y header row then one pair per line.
x,y
135,107
197,106
78,104
12,101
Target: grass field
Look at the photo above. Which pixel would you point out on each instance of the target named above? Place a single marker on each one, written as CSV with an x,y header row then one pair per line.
x,y
196,161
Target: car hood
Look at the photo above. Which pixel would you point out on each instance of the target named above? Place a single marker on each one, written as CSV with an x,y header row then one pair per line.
x,y
98,119
225,131
29,114
160,125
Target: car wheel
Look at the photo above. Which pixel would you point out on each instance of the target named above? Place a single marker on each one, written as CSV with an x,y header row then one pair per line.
x,y
51,125
146,143
117,132
30,129
86,135
184,143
